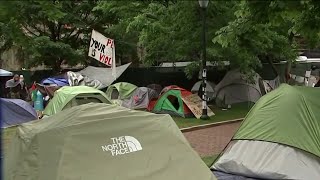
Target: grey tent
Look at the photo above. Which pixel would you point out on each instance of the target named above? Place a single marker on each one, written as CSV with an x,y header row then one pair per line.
x,y
103,75
270,85
99,142
235,88
157,87
209,88
140,98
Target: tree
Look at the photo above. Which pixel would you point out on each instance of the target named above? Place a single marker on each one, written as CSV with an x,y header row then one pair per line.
x,y
169,31
50,32
258,34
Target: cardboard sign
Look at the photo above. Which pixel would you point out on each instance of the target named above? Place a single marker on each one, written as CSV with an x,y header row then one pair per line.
x,y
194,103
102,48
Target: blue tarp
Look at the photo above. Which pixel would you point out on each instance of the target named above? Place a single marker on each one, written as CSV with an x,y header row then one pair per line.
x,y
57,81
15,111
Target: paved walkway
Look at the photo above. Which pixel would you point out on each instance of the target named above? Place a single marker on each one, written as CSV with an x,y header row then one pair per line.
x,y
212,140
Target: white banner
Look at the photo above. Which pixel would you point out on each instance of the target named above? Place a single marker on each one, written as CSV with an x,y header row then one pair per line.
x,y
102,49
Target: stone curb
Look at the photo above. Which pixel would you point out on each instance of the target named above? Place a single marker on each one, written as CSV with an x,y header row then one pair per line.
x,y
203,126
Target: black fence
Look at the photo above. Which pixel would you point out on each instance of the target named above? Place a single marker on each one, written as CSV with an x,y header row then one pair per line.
x,y
165,77
140,76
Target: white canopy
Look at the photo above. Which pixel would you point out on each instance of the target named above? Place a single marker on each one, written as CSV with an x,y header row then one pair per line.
x,y
5,73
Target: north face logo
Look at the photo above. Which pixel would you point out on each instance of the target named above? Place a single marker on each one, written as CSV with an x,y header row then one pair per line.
x,y
122,145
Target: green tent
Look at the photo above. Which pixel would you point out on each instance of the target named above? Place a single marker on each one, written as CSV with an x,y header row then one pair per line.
x,y
279,138
69,96
120,91
171,102
98,141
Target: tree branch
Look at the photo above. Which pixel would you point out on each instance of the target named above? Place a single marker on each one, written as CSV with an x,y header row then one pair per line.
x,y
52,31
25,28
59,30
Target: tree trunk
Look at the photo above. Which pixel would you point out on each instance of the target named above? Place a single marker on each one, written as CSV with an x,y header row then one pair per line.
x,y
273,67
288,67
57,66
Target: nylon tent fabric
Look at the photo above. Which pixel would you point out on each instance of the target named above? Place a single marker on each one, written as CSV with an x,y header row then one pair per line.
x,y
270,120
156,87
100,141
121,90
234,88
55,81
140,98
103,75
5,73
266,160
225,176
15,112
65,97
47,89
209,88
171,102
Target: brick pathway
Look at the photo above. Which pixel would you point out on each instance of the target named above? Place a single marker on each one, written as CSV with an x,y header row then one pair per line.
x,y
212,140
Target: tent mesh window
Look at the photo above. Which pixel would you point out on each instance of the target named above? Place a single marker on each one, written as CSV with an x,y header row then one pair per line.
x,y
174,101
85,100
114,94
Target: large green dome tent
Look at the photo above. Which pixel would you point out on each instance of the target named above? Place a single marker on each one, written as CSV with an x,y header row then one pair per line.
x,y
279,138
98,141
69,96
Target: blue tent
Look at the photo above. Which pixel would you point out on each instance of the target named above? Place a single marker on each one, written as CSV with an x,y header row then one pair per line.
x,y
15,111
55,80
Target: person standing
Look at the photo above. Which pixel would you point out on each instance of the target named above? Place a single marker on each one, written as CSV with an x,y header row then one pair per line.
x,y
38,104
24,90
14,87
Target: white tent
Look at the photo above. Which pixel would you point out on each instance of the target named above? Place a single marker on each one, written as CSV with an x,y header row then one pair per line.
x,y
209,88
268,160
5,73
234,88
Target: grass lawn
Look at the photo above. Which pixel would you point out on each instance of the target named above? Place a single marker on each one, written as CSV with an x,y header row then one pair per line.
x,y
236,111
209,160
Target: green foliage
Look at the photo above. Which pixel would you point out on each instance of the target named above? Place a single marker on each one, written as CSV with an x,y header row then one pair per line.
x,y
50,32
246,33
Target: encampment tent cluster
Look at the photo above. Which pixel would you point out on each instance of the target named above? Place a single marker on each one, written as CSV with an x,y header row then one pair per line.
x,y
92,133
96,77
170,100
236,87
